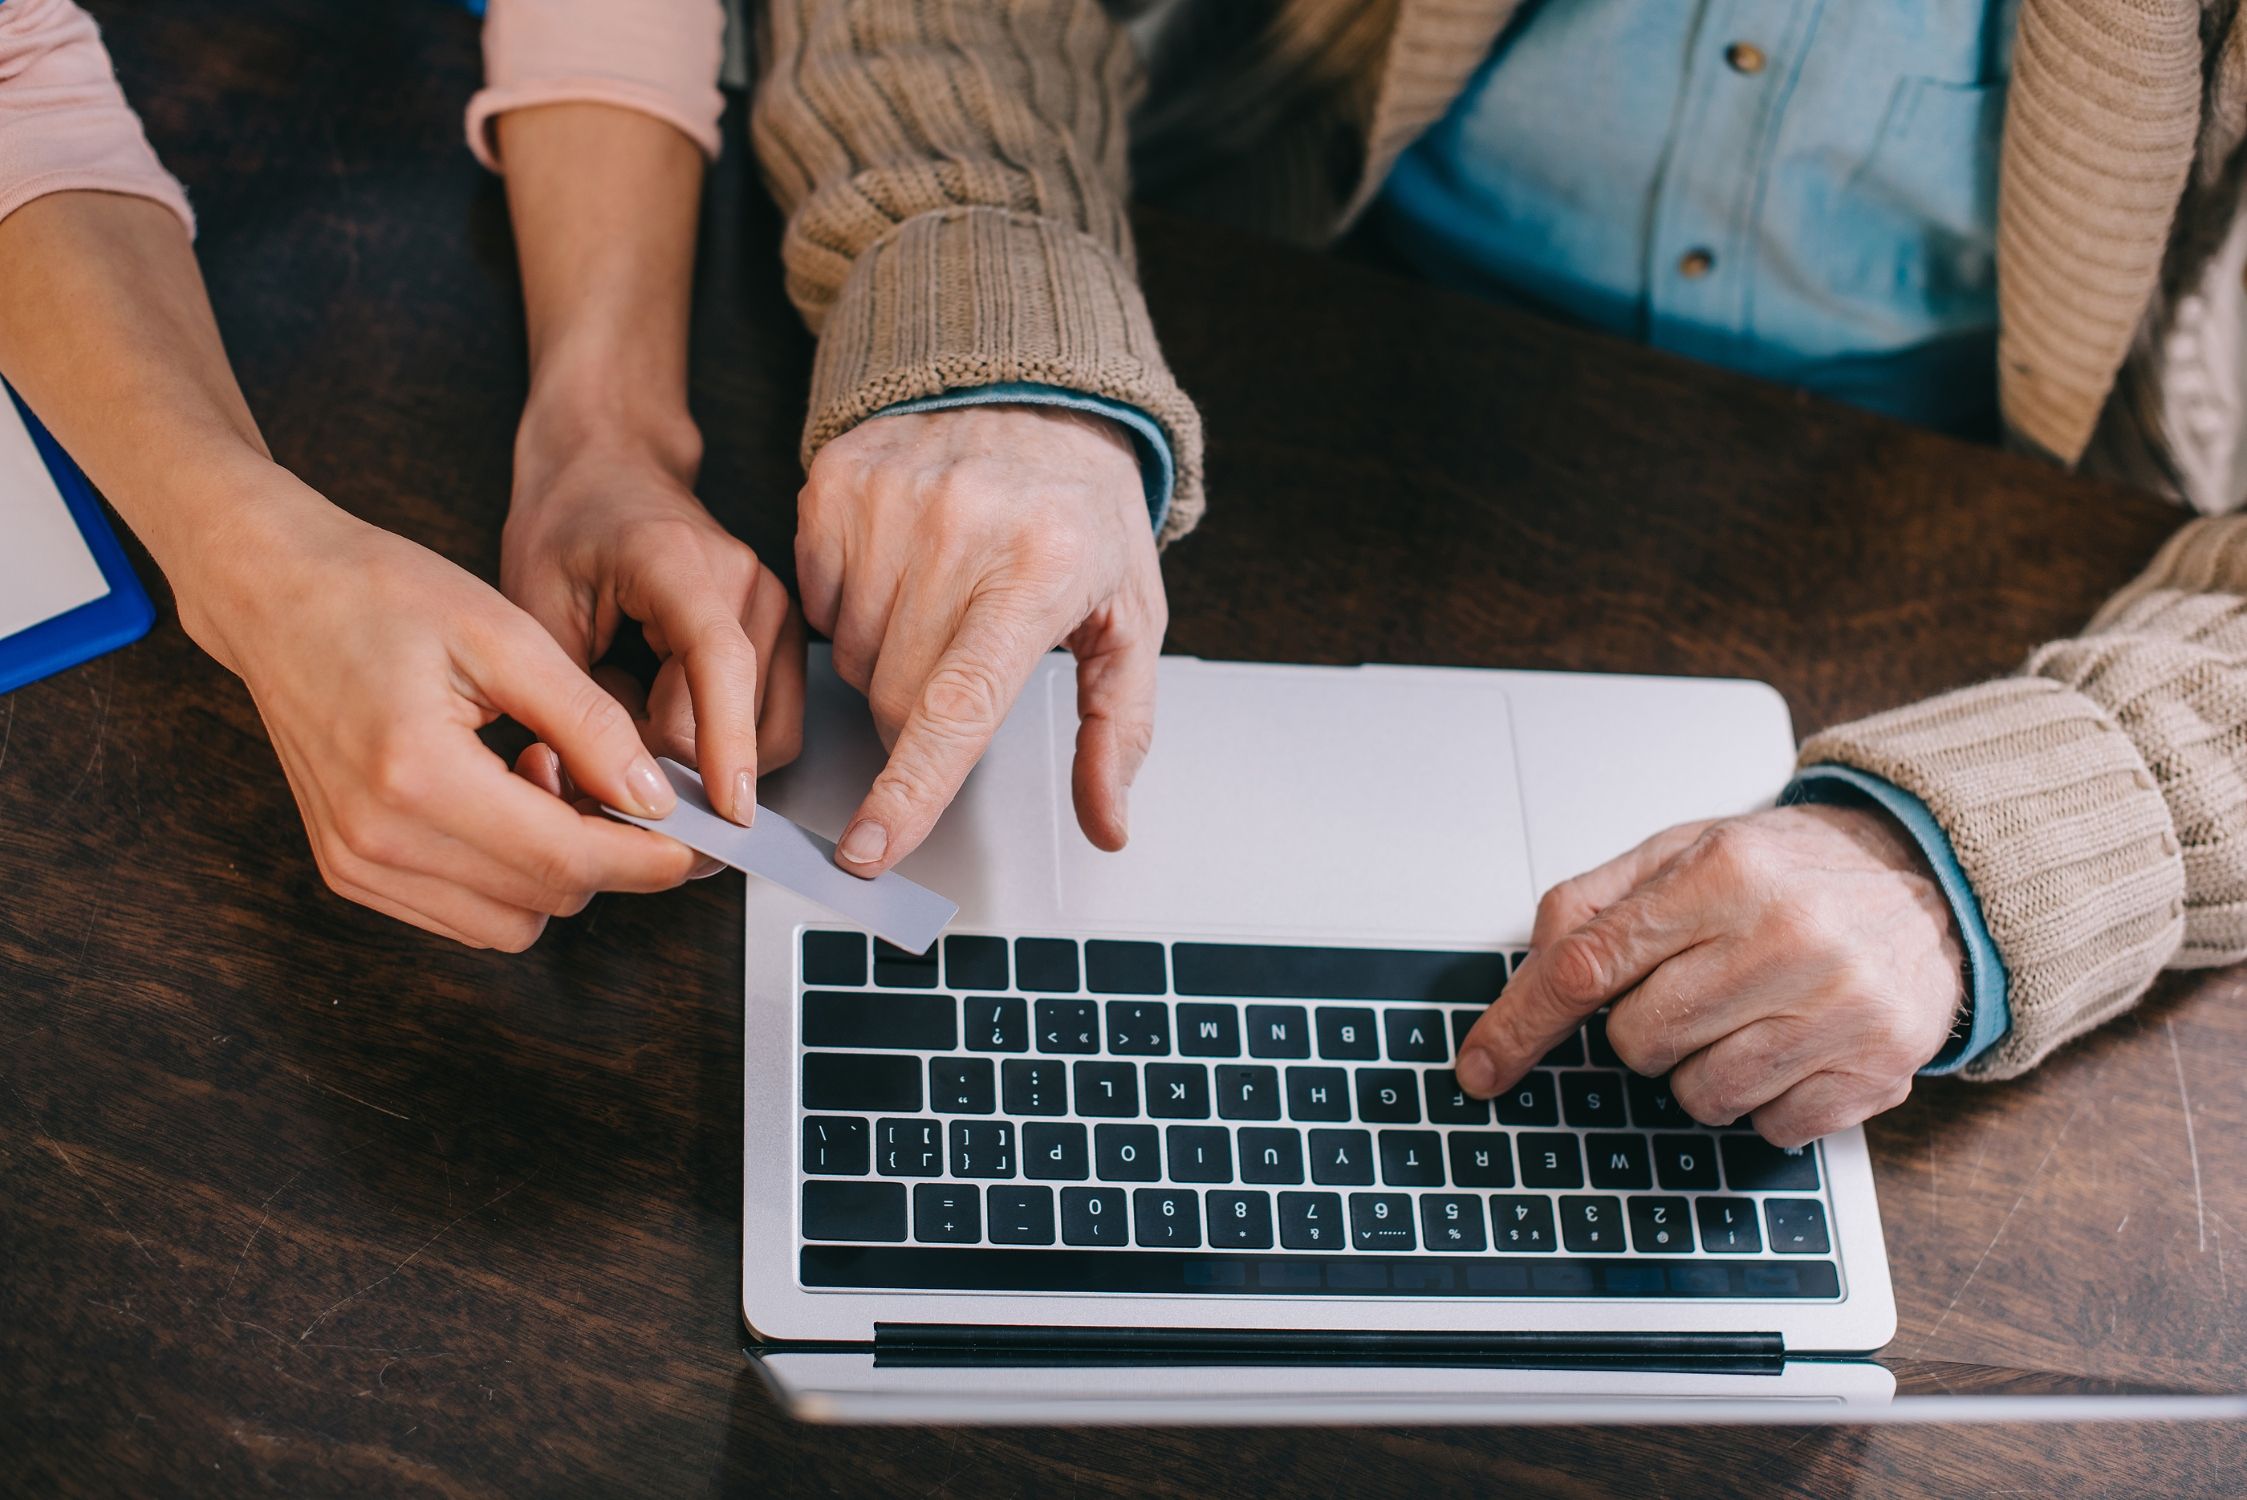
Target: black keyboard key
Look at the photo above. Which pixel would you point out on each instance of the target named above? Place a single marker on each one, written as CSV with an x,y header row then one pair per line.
x,y
997,1024
1209,1030
1045,966
1728,1226
1462,1022
894,968
909,1148
1346,1034
1178,1091
911,1023
1388,1096
1753,1165
1108,1090
1335,1272
1381,1221
1343,1158
1114,968
1549,1160
1138,1028
1270,1155
1311,1221
1094,1216
1019,1215
854,1211
947,1213
1279,1031
1481,1158
1055,1153
1595,1042
861,1081
1257,971
1416,1036
1449,1104
1618,1161
1068,1026
1530,1101
1661,1226
837,958
1318,1094
975,963
983,1148
1591,1225
1200,1153
1653,1107
1685,1161
1451,1221
1166,1218
1239,1220
1592,1098
837,1146
1798,1226
1246,1091
1568,1052
1034,1086
962,1086
1411,1158
1127,1153
1522,1223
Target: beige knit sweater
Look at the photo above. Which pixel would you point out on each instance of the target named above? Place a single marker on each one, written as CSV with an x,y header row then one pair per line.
x,y
955,178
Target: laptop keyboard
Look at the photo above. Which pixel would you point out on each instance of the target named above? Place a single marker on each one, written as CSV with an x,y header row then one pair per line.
x,y
1043,1114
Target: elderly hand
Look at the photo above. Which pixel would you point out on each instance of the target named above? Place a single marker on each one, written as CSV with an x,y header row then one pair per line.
x,y
945,552
1796,965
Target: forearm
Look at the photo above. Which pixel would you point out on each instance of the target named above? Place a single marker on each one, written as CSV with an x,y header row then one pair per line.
x,y
2092,799
604,202
107,332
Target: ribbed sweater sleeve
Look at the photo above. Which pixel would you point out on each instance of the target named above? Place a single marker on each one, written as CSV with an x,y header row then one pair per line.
x,y
955,184
2098,800
660,57
64,123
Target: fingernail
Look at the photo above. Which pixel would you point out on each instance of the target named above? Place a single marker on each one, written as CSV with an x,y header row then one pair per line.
x,y
864,843
744,798
648,788
1478,1071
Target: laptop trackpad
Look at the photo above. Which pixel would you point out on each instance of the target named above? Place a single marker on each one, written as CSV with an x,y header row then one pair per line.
x,y
1312,801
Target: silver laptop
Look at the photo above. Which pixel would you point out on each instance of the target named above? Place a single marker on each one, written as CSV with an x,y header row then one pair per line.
x,y
1196,1096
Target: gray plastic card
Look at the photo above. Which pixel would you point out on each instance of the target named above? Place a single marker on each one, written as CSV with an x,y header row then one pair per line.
x,y
889,906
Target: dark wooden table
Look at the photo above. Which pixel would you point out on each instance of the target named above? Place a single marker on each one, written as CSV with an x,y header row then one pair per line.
x,y
299,1199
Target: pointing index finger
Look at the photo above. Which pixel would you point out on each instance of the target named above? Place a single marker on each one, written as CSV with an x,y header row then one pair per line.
x,y
1576,974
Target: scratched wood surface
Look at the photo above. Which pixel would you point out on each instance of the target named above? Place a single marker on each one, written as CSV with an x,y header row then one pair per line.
x,y
299,1200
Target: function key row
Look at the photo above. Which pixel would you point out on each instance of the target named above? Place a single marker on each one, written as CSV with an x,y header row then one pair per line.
x,y
1068,1151
1125,967
1174,1218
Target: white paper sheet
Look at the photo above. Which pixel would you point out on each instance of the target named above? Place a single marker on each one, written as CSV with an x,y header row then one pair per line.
x,y
45,567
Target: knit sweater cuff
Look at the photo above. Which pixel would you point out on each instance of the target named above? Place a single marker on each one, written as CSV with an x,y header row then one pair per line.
x,y
2063,832
964,297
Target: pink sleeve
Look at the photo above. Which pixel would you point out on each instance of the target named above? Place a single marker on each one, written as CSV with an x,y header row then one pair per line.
x,y
64,123
657,56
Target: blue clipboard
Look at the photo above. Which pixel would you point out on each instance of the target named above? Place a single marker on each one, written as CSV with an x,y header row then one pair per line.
x,y
117,618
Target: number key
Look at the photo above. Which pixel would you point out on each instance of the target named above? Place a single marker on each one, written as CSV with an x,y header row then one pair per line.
x,y
1592,1225
1381,1221
1310,1221
1522,1223
1166,1218
1093,1216
1239,1220
1451,1221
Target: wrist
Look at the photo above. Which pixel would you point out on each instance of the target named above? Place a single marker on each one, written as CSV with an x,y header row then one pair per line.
x,y
234,562
577,412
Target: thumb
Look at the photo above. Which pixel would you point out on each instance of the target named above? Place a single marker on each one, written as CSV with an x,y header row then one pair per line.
x,y
520,671
1116,713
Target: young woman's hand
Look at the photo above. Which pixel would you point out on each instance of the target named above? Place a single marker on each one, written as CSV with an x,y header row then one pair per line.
x,y
604,530
373,663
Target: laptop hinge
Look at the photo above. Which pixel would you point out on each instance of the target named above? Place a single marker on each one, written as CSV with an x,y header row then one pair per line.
x,y
958,1342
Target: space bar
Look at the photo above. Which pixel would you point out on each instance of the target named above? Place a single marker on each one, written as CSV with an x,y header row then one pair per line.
x,y
1168,1273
